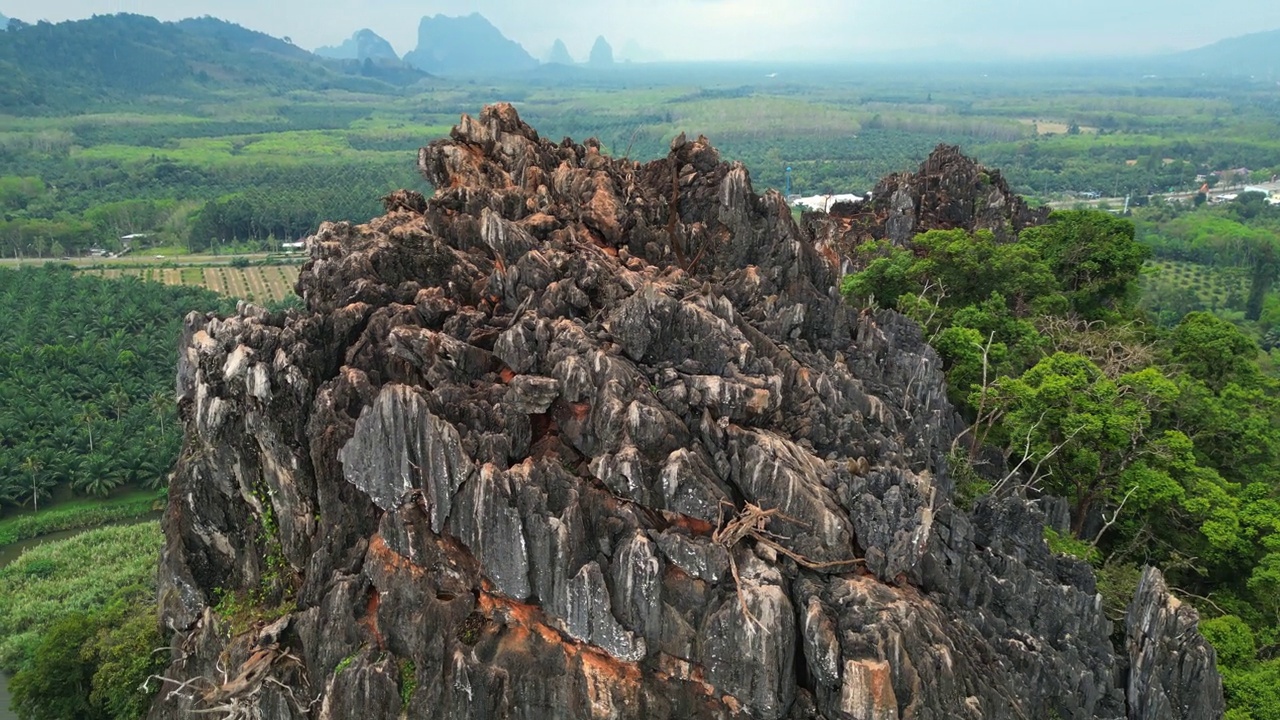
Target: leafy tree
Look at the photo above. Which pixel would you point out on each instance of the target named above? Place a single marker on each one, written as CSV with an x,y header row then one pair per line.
x,y
1093,255
57,685
1084,435
1214,351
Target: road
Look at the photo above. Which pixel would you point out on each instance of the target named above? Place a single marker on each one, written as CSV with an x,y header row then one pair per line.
x,y
145,259
1118,202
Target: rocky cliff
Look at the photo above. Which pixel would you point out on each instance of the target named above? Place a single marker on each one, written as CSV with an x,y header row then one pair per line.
x,y
949,191
579,437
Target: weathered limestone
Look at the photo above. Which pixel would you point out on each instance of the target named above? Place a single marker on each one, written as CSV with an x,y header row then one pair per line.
x,y
503,466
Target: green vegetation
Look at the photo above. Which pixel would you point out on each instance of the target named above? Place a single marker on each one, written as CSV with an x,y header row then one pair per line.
x,y
86,382
80,514
1164,440
408,681
78,625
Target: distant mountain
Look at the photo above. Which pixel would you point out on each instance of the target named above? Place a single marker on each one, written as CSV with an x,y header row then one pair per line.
x,y
559,54
117,58
4,22
601,52
468,45
364,45
1256,54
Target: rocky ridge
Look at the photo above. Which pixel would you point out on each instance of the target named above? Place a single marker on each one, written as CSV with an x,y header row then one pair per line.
x,y
580,437
949,191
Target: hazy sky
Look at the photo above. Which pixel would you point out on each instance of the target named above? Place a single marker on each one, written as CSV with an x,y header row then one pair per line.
x,y
737,29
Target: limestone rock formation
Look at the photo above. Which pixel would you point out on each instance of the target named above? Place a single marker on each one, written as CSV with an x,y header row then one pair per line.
x,y
363,45
580,437
950,190
468,45
601,53
558,54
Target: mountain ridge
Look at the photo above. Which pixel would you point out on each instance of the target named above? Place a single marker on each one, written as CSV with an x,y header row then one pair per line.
x,y
1250,54
119,57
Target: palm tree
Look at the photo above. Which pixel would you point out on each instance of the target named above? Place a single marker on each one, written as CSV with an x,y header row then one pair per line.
x,y
87,416
118,399
97,476
161,403
39,485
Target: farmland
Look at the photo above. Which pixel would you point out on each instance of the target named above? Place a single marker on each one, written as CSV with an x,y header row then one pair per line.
x,y
256,283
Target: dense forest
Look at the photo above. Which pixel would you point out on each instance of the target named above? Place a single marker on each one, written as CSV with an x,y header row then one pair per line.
x,y
1164,440
86,382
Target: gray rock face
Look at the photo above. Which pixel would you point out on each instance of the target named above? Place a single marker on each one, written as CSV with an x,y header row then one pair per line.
x,y
585,438
1173,670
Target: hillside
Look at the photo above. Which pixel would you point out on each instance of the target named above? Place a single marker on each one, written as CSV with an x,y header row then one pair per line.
x,y
1256,54
118,58
468,45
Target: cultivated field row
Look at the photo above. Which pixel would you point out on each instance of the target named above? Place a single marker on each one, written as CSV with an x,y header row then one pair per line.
x,y
255,284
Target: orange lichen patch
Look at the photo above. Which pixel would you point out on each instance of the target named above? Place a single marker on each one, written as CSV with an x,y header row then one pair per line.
x,y
370,620
580,410
524,622
831,256
539,222
695,526
393,560
868,690
507,375
674,668
609,695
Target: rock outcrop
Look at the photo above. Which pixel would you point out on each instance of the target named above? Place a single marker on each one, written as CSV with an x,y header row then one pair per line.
x,y
580,437
949,191
1173,670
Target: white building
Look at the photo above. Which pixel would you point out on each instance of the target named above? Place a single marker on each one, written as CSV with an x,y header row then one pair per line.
x,y
823,203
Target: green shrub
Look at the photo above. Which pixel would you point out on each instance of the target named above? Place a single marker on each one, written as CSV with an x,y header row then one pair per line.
x,y
1068,545
1232,638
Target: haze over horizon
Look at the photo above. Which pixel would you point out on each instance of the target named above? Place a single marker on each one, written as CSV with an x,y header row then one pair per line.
x,y
734,29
